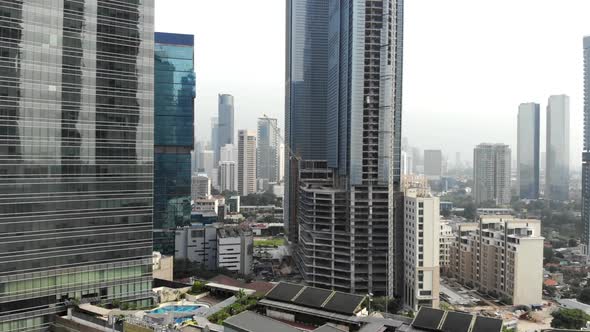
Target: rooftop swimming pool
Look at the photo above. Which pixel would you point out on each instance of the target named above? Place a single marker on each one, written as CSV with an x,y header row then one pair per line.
x,y
176,309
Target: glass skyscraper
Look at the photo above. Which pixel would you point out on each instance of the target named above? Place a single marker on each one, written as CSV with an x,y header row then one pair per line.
x,y
174,136
527,152
305,95
225,125
76,156
557,172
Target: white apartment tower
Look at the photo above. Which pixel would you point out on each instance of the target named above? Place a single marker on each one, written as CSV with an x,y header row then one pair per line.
x,y
421,254
492,173
246,162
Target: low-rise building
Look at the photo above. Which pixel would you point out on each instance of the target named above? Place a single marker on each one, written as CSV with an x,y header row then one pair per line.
x,y
421,254
215,246
501,256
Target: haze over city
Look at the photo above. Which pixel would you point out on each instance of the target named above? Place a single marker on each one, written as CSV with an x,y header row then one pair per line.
x,y
488,58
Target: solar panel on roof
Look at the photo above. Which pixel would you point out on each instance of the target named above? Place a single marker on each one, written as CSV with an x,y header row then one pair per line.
x,y
284,292
344,303
313,297
428,318
457,322
485,324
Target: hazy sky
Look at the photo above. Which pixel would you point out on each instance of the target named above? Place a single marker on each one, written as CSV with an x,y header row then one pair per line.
x,y
467,64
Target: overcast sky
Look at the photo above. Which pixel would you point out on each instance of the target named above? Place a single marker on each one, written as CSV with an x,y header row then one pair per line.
x,y
467,64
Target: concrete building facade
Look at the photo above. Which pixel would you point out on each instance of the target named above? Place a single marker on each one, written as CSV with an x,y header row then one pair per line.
x,y
421,249
501,256
246,162
447,238
492,174
201,186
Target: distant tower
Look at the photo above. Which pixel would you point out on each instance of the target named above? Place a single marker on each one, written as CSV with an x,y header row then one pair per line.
x,y
433,164
267,153
586,150
225,126
246,162
527,150
557,172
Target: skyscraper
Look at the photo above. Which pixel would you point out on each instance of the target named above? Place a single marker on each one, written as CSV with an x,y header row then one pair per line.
x,y
267,153
246,162
527,150
225,123
305,95
76,165
348,198
491,174
433,164
586,150
558,148
215,134
174,136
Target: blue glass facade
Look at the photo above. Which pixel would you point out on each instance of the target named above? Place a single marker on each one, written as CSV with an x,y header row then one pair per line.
x,y
173,135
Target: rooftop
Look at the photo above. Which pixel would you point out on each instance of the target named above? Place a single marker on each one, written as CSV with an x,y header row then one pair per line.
x,y
250,321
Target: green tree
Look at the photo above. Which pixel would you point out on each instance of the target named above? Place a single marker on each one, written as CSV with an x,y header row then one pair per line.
x,y
197,287
584,296
569,319
548,254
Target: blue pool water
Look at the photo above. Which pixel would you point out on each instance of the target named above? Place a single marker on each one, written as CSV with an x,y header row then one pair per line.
x,y
175,308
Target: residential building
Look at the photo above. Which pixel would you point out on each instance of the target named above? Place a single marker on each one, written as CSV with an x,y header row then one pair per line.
x,y
306,85
528,143
229,152
174,96
447,239
586,150
215,246
433,164
228,179
246,162
492,174
267,152
407,166
207,162
67,114
558,148
225,123
422,246
501,256
201,186
211,203
358,248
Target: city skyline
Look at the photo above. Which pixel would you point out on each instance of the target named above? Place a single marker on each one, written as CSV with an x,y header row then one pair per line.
x,y
256,89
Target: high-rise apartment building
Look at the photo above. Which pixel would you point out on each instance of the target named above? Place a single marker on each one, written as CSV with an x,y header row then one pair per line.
x,y
215,135
433,164
344,58
421,253
174,95
225,123
557,172
586,150
207,164
201,186
446,240
228,176
267,153
527,151
246,162
502,256
492,174
76,146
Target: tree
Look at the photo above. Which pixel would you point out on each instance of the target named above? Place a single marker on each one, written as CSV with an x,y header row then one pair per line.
x,y
470,212
569,319
548,254
197,287
572,243
584,296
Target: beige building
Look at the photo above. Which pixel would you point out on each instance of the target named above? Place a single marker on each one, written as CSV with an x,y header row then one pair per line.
x,y
447,238
502,256
163,266
246,162
421,253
